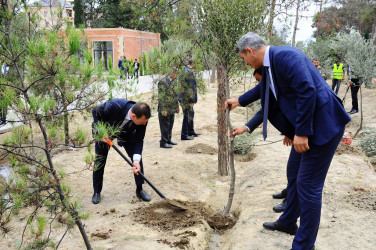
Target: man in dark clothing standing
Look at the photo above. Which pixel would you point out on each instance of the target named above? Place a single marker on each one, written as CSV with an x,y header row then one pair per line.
x,y
136,66
167,106
354,91
187,99
121,66
131,118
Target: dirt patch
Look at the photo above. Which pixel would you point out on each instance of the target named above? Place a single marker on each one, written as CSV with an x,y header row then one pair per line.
x,y
104,236
182,242
362,198
245,158
348,149
201,148
166,217
211,128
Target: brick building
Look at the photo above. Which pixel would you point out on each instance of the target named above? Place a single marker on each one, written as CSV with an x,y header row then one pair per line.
x,y
116,42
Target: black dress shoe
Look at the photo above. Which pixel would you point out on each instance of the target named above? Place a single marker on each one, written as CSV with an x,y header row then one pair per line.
x,y
165,145
143,195
281,195
194,134
172,143
96,198
353,111
276,226
186,138
280,207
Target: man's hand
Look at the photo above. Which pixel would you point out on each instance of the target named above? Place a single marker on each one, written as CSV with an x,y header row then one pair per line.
x,y
191,104
287,141
136,167
301,143
233,102
239,131
164,113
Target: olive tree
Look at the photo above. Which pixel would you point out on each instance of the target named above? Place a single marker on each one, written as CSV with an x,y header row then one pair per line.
x,y
221,23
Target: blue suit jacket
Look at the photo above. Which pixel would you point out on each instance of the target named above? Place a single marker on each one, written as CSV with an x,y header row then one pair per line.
x,y
303,97
113,113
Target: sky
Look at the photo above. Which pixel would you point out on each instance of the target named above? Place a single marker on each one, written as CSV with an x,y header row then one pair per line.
x,y
305,30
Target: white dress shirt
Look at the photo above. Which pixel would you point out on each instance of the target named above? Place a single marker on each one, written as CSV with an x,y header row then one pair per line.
x,y
267,64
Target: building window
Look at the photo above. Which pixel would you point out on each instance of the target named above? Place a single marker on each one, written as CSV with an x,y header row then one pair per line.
x,y
69,13
103,50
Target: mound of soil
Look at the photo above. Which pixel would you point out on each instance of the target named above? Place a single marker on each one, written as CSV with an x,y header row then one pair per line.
x,y
245,158
166,217
348,149
201,148
211,128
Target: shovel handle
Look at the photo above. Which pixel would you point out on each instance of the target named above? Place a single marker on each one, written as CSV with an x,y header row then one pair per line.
x,y
111,144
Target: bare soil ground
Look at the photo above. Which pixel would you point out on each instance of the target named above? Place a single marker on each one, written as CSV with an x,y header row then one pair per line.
x,y
188,173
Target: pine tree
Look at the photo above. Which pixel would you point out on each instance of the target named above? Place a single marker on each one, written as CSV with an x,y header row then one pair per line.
x,y
79,15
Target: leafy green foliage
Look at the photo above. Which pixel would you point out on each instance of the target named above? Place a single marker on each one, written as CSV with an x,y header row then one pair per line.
x,y
368,142
357,52
243,143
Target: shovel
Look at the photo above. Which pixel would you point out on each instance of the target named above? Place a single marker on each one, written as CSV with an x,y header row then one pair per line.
x,y
171,202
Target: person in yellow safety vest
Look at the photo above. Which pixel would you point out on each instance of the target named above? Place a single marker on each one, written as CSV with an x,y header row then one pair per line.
x,y
338,75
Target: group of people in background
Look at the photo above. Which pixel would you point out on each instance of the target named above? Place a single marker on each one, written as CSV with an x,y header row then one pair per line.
x,y
124,66
170,94
338,76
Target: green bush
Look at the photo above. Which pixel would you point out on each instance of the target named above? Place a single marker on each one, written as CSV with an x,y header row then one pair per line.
x,y
368,142
244,143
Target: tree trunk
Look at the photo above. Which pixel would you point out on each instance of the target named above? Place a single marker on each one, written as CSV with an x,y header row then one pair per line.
x,y
232,166
361,111
271,19
221,121
212,80
296,23
318,19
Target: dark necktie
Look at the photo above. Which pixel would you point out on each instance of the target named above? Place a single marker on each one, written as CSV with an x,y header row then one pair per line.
x,y
266,102
128,125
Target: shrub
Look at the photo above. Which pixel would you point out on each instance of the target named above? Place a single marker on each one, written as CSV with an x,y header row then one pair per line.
x,y
368,142
244,143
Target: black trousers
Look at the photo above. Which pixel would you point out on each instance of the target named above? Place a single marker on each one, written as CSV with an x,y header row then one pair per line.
x,y
188,125
336,82
165,124
354,93
136,73
3,114
101,152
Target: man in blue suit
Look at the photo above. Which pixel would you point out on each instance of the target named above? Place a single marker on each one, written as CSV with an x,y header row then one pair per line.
x,y
250,126
296,98
131,119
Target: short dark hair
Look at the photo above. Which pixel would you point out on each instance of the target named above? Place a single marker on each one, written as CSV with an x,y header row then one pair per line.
x,y
190,61
141,109
258,71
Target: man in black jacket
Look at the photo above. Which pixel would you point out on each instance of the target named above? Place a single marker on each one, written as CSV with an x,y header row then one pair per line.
x,y
188,98
131,118
168,104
